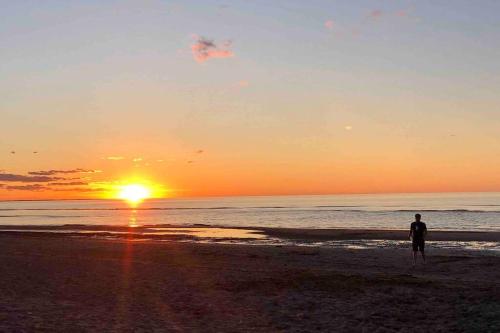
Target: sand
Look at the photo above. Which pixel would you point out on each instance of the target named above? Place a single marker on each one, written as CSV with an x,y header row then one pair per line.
x,y
86,285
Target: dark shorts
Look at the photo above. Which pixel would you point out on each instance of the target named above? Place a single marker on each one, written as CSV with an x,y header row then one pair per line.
x,y
418,244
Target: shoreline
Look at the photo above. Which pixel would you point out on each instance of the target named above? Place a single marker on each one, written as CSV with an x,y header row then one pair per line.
x,y
459,242
301,234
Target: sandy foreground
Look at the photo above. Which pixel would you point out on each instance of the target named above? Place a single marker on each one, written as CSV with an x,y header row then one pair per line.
x,y
81,285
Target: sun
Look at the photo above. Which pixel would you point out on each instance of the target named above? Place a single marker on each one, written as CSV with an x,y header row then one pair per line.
x,y
134,193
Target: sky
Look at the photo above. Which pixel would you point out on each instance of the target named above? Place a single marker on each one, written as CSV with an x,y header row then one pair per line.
x,y
208,98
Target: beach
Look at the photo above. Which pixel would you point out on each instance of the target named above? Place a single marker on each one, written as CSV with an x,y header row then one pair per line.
x,y
249,166
54,282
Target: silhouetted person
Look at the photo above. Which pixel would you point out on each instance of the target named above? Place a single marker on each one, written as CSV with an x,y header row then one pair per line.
x,y
418,231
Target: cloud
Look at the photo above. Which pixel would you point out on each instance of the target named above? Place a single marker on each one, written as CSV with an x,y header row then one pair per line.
x,y
243,84
8,177
407,14
200,151
348,127
115,158
55,172
31,187
204,49
402,13
68,184
137,159
329,24
375,14
79,189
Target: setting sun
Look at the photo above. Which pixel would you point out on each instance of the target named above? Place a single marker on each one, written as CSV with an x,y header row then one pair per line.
x,y
134,193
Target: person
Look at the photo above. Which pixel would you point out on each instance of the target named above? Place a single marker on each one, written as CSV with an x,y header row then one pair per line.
x,y
418,232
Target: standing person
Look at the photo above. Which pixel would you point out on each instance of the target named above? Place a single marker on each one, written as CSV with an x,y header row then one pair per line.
x,y
418,231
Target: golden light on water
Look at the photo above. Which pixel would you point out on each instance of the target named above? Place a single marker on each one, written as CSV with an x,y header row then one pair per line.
x,y
134,193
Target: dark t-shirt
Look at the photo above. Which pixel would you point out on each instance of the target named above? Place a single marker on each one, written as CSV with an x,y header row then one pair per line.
x,y
418,229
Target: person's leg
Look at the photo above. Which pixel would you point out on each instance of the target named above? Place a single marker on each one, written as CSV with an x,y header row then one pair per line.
x,y
422,250
414,247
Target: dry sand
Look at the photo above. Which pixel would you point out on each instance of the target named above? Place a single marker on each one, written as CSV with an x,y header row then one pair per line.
x,y
79,285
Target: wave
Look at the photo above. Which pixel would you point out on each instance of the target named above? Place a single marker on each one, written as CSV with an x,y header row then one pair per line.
x,y
118,209
44,216
335,206
448,210
169,208
295,208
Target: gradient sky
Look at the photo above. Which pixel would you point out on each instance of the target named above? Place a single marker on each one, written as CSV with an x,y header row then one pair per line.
x,y
249,97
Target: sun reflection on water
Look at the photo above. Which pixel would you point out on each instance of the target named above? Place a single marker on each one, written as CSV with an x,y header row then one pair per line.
x,y
132,222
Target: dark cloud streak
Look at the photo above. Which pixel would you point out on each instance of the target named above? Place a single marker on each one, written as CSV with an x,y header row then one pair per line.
x,y
30,187
69,184
8,177
56,172
79,189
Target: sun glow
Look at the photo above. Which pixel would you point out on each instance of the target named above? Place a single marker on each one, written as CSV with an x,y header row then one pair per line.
x,y
134,193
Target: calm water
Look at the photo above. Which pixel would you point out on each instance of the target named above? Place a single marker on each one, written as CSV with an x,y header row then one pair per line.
x,y
464,211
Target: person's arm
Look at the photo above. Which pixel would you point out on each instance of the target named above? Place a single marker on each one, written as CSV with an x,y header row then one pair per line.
x,y
425,232
411,232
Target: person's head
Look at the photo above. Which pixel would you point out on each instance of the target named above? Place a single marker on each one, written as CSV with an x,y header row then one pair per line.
x,y
418,217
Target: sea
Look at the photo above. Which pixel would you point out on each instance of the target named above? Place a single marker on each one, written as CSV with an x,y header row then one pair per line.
x,y
441,211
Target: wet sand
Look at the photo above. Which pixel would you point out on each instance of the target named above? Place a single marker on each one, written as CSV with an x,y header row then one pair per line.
x,y
350,234
80,285
174,232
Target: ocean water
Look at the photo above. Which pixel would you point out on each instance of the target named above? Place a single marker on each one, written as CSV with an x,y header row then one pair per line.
x,y
453,211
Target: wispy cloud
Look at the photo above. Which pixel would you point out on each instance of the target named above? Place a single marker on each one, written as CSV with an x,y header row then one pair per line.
x,y
375,14
204,49
329,24
243,83
9,177
68,184
80,189
30,187
56,172
407,14
115,158
402,13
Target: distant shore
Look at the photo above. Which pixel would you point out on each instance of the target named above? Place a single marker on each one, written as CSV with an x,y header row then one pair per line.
x,y
62,284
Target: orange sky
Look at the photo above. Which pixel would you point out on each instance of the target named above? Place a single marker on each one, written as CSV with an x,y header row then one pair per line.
x,y
200,100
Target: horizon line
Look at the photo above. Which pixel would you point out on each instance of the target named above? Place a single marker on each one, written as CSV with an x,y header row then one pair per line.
x,y
256,195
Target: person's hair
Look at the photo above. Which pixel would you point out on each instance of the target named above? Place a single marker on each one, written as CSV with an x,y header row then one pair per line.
x,y
418,216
